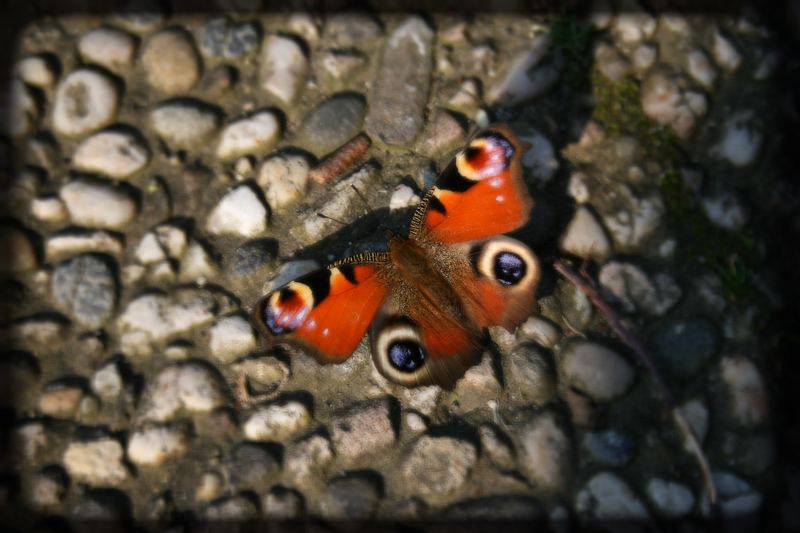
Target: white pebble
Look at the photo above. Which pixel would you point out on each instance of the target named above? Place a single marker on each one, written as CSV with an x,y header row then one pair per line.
x,y
644,56
251,135
725,54
520,83
700,68
747,395
68,243
595,370
85,101
284,68
190,386
36,71
630,28
544,452
196,264
636,291
741,141
725,211
115,154
584,236
155,445
403,197
184,125
540,158
277,422
240,212
541,331
109,48
284,179
49,209
98,204
577,187
96,462
107,382
231,337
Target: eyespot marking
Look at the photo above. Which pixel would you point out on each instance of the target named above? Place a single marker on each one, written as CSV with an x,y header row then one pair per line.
x,y
509,268
406,355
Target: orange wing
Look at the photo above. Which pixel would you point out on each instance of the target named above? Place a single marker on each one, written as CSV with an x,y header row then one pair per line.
x,y
480,194
325,312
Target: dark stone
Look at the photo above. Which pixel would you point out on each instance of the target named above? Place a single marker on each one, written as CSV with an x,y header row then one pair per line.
x,y
353,497
86,287
332,123
222,38
253,466
611,447
682,347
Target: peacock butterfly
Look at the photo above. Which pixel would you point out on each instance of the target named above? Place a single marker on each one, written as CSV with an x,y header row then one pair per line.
x,y
428,300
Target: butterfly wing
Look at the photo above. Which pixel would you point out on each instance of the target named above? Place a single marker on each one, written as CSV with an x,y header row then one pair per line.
x,y
480,194
325,312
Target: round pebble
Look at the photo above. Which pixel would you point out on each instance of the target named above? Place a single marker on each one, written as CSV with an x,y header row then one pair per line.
x,y
219,37
672,499
364,428
107,381
544,452
60,400
96,462
610,447
332,123
86,288
595,370
437,465
284,68
281,503
277,422
85,101
108,47
191,386
699,67
47,487
115,154
747,396
154,445
38,70
529,375
240,212
683,346
186,123
344,30
636,291
170,62
741,141
252,135
607,497
17,251
49,209
350,498
284,179
231,337
585,237
306,460
98,204
725,53
252,465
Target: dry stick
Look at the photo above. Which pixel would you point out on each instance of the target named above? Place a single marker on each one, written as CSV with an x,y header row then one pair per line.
x,y
629,338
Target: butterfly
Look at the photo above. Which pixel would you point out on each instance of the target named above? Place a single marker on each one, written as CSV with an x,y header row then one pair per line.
x,y
428,300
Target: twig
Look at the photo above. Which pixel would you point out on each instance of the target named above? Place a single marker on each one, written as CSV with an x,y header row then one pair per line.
x,y
629,338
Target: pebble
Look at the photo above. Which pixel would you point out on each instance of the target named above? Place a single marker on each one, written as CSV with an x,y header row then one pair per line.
x,y
644,56
585,237
85,101
186,123
220,37
231,337
115,154
477,387
422,399
29,440
611,62
239,508
672,499
696,414
284,68
47,487
284,179
342,64
397,117
683,346
240,212
107,382
497,447
17,251
306,25
607,497
630,227
741,141
725,211
529,376
365,428
86,288
108,47
192,386
281,503
197,264
746,393
140,16
71,242
149,250
170,61
345,30
153,446
20,110
738,499
37,70
630,28
725,53
96,462
98,204
467,97
437,466
498,509
403,197
350,497
49,209
663,101
543,451
635,291
277,422
255,134
252,465
595,370
610,447
306,459
541,331
253,256
540,158
60,400
209,487
525,79
332,123
444,134
699,68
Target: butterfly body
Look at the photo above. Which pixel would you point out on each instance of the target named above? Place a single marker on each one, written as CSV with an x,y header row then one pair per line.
x,y
428,300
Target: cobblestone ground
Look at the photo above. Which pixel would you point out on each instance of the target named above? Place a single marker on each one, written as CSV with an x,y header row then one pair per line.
x,y
159,171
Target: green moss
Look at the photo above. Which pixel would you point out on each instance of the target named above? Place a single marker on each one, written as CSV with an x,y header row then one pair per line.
x,y
730,255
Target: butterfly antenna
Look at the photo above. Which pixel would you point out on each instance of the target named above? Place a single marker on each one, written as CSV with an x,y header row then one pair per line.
x,y
364,200
322,215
